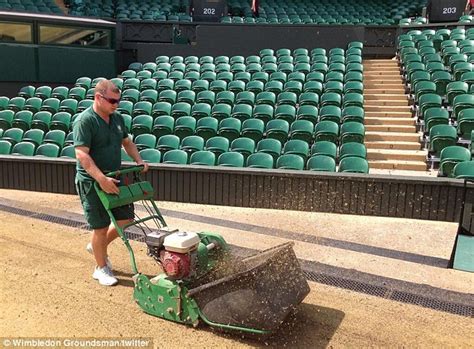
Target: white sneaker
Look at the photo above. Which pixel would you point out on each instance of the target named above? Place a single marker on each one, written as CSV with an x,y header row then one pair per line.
x,y
105,276
91,251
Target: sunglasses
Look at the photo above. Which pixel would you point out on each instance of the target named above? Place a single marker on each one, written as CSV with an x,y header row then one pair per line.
x,y
111,100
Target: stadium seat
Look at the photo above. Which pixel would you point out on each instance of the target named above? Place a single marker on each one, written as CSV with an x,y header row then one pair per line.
x,y
191,144
217,145
353,165
260,160
167,142
450,156
321,163
231,159
23,148
145,141
290,162
203,158
49,150
175,157
151,155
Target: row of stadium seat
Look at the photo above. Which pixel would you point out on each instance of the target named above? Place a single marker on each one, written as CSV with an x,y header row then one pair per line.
x,y
438,71
42,6
322,156
376,12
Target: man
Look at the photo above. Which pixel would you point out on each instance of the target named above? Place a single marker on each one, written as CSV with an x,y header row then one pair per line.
x,y
99,133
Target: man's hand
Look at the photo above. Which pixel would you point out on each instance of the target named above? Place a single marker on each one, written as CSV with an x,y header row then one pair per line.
x,y
109,185
144,164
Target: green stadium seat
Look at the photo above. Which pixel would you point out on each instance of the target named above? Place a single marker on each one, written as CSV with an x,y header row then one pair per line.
x,y
242,112
352,132
167,142
27,92
4,101
142,108
191,144
55,137
243,145
141,124
184,126
324,148
200,110
13,135
77,93
461,102
203,158
33,104
253,129
23,148
207,97
440,137
207,127
41,120
60,121
450,156
277,129
263,112
464,170
326,130
265,97
231,159
217,145
16,104
22,120
68,152
290,162
180,109
68,105
49,150
221,111
51,104
435,116
353,113
226,97
83,105
145,141
260,160
296,146
321,163
34,136
353,165
465,123
352,149
5,147
43,92
302,129
175,157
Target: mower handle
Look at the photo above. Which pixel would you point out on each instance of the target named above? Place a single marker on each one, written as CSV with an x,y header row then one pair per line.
x,y
125,171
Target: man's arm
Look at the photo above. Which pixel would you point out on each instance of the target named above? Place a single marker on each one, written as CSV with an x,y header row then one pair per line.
x,y
107,184
132,150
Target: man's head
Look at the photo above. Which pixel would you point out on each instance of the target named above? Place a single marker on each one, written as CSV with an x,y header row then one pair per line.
x,y
106,97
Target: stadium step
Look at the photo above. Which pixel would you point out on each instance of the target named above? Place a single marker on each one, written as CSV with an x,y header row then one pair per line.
x,y
390,154
385,97
393,145
377,85
391,136
380,102
398,165
389,91
382,114
390,128
388,108
373,120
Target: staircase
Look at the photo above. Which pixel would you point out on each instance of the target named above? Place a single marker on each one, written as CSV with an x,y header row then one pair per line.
x,y
391,137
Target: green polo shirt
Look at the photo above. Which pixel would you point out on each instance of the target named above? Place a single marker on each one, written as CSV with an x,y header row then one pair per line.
x,y
103,139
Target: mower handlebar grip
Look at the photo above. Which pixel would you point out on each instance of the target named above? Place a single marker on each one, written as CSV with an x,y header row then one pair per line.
x,y
125,171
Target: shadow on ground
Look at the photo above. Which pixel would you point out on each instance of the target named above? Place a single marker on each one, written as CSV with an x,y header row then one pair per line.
x,y
309,326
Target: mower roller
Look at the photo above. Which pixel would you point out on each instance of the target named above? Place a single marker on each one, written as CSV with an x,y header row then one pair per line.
x,y
201,279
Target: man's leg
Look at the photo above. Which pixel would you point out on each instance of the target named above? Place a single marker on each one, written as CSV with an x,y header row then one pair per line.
x,y
99,245
112,233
